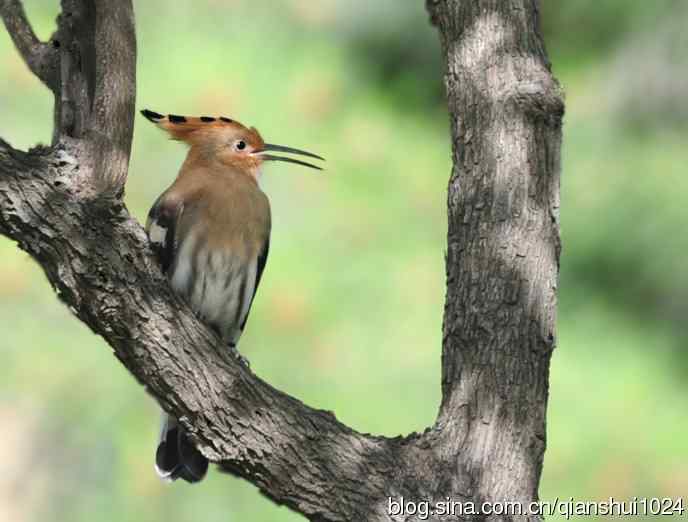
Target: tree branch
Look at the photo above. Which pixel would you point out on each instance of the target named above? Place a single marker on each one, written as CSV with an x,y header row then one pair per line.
x,y
41,58
106,274
63,205
114,91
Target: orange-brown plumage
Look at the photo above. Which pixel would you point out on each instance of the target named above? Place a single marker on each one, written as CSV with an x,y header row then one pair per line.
x,y
211,232
232,210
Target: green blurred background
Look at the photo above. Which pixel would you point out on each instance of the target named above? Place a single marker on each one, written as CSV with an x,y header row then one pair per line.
x,y
349,313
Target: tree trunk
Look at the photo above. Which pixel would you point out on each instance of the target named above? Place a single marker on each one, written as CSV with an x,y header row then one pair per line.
x,y
63,205
503,242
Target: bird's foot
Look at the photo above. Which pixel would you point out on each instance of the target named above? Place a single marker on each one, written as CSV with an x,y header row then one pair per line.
x,y
243,360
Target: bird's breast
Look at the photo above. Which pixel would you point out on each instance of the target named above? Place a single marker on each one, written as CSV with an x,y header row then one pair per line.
x,y
217,281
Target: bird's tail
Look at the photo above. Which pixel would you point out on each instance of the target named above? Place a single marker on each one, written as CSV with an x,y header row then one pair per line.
x,y
176,456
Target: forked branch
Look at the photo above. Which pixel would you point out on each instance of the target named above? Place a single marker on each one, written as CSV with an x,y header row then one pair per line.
x,y
63,205
41,58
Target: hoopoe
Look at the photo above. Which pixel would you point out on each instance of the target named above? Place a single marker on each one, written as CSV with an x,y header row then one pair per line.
x,y
210,231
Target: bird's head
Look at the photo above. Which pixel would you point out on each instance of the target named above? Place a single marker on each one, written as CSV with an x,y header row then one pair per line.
x,y
226,141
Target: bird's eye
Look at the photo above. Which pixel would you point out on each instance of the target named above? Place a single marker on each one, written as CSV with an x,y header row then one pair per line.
x,y
240,145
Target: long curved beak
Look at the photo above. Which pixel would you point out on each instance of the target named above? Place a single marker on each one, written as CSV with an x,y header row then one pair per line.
x,y
268,147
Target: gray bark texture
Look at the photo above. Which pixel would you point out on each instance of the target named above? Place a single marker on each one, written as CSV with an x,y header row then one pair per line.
x,y
63,205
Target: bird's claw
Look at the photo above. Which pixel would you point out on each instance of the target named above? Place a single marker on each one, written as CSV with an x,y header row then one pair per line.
x,y
243,360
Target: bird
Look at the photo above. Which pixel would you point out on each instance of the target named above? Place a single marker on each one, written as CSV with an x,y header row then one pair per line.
x,y
210,233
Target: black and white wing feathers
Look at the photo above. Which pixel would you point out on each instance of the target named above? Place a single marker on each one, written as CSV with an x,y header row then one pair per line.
x,y
161,228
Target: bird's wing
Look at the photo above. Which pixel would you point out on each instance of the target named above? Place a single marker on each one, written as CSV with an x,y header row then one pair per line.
x,y
260,266
161,228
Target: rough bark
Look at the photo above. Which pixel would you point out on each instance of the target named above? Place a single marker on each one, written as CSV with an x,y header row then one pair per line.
x,y
63,205
503,241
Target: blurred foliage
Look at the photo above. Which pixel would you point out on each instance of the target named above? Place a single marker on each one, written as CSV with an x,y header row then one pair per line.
x,y
580,32
348,317
649,76
398,53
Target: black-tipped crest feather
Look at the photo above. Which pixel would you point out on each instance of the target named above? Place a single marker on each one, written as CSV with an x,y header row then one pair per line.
x,y
151,115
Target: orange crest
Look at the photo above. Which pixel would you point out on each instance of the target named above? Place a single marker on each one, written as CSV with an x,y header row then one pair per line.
x,y
226,140
195,130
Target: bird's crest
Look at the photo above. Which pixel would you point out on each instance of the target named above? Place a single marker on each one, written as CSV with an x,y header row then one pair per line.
x,y
248,149
193,129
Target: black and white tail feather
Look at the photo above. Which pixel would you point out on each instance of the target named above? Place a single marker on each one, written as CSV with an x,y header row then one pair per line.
x,y
176,456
